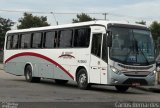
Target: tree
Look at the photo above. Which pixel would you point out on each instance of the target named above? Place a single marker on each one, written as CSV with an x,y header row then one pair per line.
x,y
82,18
155,30
5,25
141,22
29,21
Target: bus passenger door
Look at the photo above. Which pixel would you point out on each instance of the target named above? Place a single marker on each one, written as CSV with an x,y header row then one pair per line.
x,y
95,63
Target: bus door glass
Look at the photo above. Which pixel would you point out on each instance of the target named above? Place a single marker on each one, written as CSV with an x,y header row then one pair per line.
x,y
95,63
104,61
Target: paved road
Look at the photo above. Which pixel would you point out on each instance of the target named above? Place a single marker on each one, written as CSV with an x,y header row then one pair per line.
x,y
16,89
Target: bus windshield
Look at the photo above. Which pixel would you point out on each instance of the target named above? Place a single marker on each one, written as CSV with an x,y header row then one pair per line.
x,y
132,46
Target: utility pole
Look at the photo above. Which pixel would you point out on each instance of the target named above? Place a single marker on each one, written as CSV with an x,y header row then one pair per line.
x,y
54,17
105,16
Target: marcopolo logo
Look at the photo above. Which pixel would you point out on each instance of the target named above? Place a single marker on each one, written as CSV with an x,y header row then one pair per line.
x,y
66,55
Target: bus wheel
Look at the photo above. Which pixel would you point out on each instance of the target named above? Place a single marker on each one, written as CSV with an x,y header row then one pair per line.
x,y
122,88
82,79
28,75
61,82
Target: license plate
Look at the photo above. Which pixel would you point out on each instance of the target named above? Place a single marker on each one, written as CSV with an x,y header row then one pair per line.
x,y
136,84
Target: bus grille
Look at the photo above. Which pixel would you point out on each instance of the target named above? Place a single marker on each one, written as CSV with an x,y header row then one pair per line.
x,y
137,73
135,67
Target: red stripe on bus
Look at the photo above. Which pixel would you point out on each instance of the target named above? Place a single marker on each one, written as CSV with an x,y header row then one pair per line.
x,y
40,56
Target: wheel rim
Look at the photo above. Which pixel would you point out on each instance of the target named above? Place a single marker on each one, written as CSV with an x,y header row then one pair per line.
x,y
28,74
82,79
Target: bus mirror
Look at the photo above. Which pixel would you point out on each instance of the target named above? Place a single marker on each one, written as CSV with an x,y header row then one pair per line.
x,y
109,38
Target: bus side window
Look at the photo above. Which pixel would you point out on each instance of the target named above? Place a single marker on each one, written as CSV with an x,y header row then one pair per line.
x,y
65,39
9,41
25,41
82,37
15,41
49,39
37,40
12,41
96,44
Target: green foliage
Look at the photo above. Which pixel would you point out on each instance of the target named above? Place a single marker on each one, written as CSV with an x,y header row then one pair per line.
x,y
29,21
5,25
82,18
155,29
141,22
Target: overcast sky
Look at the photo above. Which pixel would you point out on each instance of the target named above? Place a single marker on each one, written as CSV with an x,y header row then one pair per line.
x,y
128,10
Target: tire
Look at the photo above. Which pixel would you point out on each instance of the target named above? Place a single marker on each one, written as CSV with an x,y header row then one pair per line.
x,y
122,88
61,82
82,79
28,75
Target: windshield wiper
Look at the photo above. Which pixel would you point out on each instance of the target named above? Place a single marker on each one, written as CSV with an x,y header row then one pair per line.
x,y
136,50
144,56
128,55
139,49
132,49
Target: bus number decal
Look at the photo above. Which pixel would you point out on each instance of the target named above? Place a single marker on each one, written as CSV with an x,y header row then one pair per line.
x,y
82,61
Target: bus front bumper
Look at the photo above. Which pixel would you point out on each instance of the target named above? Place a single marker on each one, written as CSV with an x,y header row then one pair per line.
x,y
121,79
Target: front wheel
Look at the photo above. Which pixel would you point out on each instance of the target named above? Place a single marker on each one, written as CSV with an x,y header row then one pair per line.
x,y
122,88
82,79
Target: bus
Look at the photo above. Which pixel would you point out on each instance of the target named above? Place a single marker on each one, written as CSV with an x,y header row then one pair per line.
x,y
112,53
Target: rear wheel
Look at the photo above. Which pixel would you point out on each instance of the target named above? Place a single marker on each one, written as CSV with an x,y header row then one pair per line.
x,y
58,81
28,75
122,88
82,79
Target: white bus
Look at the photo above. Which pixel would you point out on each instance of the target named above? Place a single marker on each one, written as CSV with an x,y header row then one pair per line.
x,y
98,52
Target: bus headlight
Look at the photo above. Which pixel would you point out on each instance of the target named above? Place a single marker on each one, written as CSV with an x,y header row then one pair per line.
x,y
115,70
152,73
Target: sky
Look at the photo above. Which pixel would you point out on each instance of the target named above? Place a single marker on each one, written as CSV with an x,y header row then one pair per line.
x,y
119,10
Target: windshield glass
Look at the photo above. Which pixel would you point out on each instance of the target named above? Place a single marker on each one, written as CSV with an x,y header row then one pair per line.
x,y
132,46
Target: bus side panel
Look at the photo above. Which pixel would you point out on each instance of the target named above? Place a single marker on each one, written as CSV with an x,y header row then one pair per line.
x,y
35,62
59,73
15,66
42,65
46,70
54,63
73,70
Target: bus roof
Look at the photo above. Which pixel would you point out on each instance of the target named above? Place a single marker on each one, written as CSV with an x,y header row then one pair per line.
x,y
96,22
